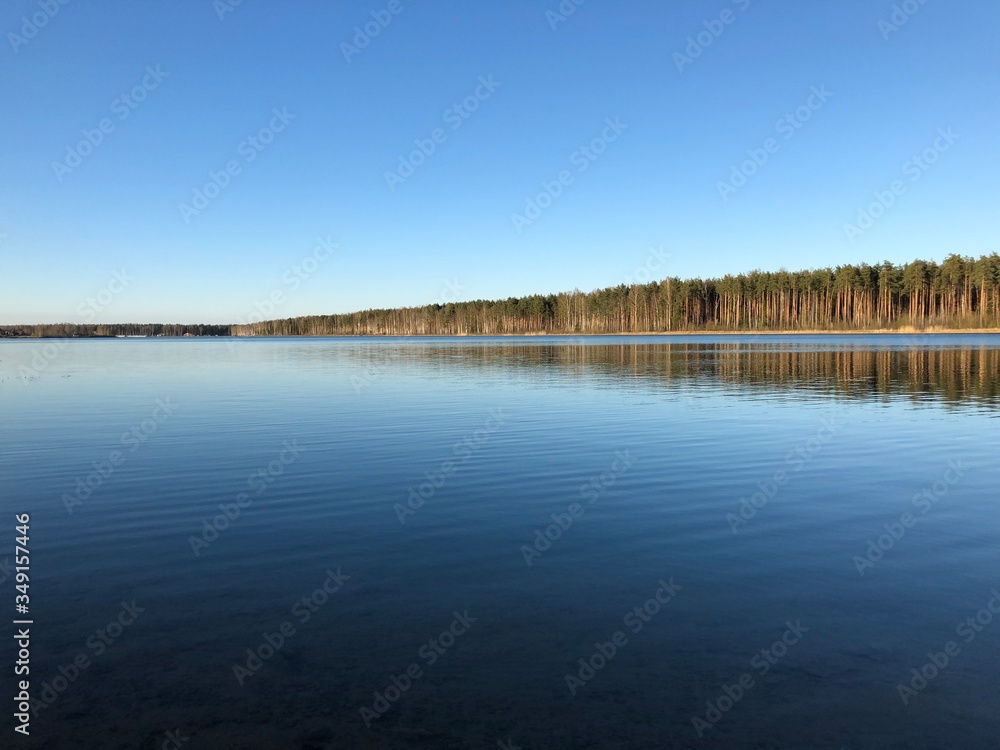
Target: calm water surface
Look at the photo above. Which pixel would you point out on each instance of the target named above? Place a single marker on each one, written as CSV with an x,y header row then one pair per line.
x,y
763,535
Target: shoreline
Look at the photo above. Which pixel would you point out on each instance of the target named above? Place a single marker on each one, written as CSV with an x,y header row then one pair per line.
x,y
877,332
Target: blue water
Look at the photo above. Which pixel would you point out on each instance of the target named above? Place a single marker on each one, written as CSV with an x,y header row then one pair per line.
x,y
416,479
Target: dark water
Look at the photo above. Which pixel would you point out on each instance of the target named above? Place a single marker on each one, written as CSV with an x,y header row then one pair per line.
x,y
784,625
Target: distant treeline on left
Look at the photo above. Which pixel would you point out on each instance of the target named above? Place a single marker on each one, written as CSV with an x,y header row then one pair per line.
x,y
85,330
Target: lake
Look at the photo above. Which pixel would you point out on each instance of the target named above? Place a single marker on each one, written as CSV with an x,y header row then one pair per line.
x,y
545,542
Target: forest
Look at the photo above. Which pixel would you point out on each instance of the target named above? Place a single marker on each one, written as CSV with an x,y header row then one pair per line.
x,y
87,330
958,293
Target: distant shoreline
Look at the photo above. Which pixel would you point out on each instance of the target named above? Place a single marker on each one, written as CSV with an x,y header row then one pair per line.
x,y
880,332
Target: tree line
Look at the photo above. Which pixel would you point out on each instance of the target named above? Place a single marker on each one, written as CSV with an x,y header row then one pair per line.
x,y
961,292
88,330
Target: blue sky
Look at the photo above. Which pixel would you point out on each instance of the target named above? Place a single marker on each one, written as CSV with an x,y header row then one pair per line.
x,y
533,88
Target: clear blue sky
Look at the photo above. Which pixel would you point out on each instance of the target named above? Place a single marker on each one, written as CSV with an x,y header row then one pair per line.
x,y
65,230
